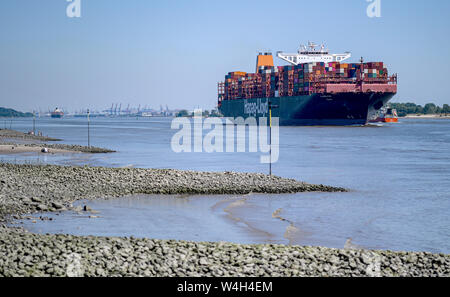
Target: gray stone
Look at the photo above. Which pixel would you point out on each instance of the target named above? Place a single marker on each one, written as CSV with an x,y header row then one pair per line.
x,y
57,205
42,207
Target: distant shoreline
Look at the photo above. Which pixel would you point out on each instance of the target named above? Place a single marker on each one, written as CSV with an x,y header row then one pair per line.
x,y
426,116
7,149
9,112
13,134
16,142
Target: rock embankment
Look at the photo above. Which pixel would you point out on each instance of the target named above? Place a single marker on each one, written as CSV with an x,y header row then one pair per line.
x,y
31,188
23,254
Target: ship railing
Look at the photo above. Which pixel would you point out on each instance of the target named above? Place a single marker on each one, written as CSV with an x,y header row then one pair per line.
x,y
368,80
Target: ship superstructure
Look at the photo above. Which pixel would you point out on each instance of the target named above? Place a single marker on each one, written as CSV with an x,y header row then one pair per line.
x,y
309,54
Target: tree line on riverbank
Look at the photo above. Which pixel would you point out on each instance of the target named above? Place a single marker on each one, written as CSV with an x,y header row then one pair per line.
x,y
9,113
404,109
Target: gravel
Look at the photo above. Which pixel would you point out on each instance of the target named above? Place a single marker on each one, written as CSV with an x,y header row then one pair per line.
x,y
29,188
23,254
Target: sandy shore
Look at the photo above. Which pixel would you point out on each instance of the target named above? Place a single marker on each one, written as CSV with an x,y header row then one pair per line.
x,y
53,148
15,142
19,148
13,134
29,188
427,116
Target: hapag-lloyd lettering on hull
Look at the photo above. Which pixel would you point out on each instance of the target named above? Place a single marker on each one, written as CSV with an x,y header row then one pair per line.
x,y
255,108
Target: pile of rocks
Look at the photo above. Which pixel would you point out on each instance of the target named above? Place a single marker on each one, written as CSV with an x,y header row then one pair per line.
x,y
24,254
31,188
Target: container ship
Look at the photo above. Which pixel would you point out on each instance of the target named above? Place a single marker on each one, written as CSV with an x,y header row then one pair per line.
x,y
57,114
315,88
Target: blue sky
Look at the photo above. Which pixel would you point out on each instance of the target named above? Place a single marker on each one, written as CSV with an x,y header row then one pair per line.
x,y
174,52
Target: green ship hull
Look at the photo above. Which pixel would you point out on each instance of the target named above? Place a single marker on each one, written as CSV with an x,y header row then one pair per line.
x,y
310,110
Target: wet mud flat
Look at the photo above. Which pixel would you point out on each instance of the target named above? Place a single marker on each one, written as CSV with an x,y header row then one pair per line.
x,y
33,188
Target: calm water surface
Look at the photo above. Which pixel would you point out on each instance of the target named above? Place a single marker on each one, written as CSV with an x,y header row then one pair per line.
x,y
399,176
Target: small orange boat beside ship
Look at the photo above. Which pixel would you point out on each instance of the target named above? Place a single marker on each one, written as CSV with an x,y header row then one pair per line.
x,y
387,115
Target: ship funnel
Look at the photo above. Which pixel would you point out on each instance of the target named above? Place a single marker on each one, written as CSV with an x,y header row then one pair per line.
x,y
264,59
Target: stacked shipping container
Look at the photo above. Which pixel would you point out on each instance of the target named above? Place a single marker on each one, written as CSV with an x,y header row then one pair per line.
x,y
299,80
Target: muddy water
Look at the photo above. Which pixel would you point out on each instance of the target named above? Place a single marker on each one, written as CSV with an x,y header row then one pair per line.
x,y
198,218
255,218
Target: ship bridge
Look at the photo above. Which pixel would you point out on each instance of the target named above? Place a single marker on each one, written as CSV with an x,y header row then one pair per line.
x,y
309,54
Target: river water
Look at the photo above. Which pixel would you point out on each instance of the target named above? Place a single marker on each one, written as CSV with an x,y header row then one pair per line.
x,y
398,174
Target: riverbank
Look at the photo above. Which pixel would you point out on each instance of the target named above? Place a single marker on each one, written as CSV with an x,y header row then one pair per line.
x,y
16,142
427,116
32,188
13,134
16,148
13,148
23,254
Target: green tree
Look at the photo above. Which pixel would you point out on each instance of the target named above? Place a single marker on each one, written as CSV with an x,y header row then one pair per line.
x,y
8,112
429,108
410,108
404,109
215,113
419,109
182,113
